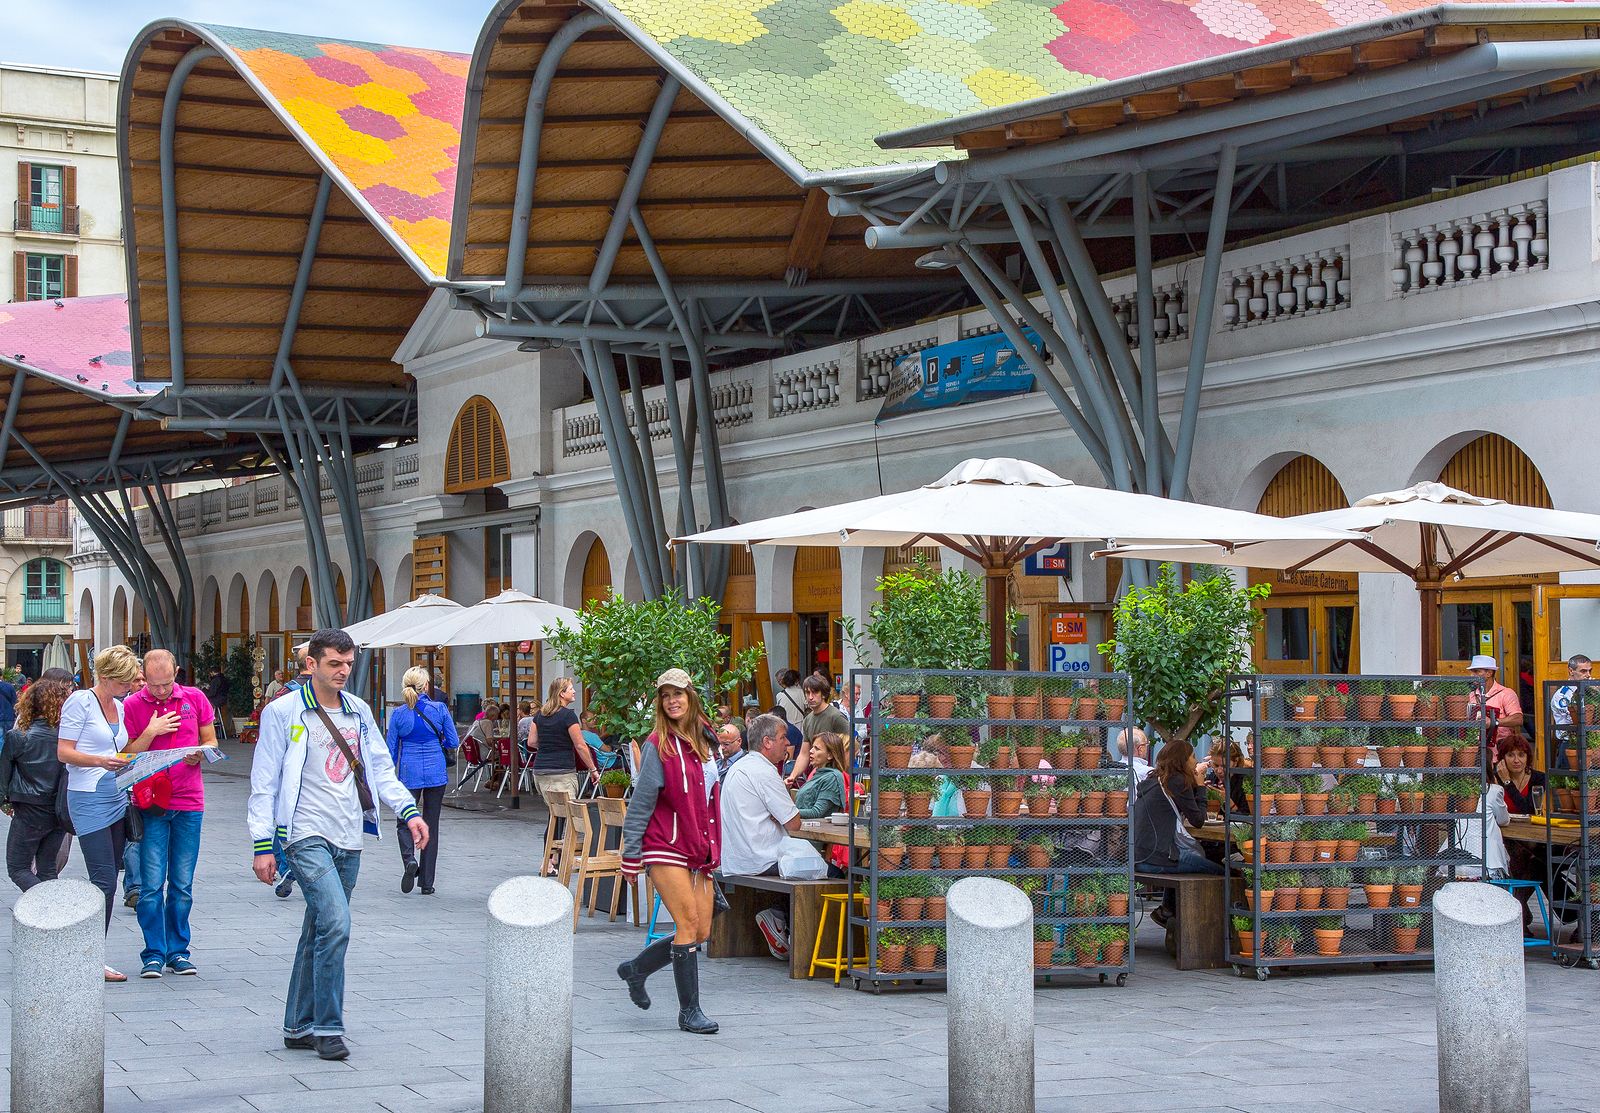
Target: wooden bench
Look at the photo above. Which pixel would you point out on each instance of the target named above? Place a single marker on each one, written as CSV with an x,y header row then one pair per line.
x,y
734,933
1197,937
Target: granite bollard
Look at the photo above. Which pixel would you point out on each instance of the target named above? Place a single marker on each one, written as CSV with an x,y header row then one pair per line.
x,y
989,964
527,1043
58,991
1481,1000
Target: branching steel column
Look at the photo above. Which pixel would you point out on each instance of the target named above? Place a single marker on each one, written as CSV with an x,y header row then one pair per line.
x,y
155,497
617,444
1145,301
169,207
643,156
692,576
1200,321
19,383
716,562
653,560
647,456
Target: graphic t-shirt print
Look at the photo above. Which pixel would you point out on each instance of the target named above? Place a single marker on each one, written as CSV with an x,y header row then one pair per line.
x,y
334,763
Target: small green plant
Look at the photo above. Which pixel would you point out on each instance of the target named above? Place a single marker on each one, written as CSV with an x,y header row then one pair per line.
x,y
1063,789
1310,782
939,684
1283,932
893,937
1043,933
615,778
951,837
1402,686
893,888
1242,925
1409,919
901,734
1337,878
1411,875
1379,875
933,937
988,750
1330,923
889,836
1368,686
1277,738
1041,840
918,783
1360,784
922,836
1284,830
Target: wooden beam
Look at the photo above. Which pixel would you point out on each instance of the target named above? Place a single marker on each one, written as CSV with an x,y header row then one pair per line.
x,y
1273,78
1093,117
1045,127
987,139
1149,106
1321,67
159,286
1387,52
810,232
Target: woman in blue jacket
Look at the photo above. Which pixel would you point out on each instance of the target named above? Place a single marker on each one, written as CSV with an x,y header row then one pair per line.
x,y
419,734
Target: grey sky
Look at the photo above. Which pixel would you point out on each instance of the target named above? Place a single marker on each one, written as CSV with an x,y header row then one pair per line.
x,y
96,34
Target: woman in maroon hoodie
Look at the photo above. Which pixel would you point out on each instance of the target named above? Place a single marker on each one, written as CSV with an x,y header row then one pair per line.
x,y
672,831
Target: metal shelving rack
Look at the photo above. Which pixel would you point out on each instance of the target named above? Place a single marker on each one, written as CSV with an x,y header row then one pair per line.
x,y
1572,801
1411,832
1090,857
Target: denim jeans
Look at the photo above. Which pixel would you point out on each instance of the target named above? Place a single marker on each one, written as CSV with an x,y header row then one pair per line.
x,y
131,871
327,875
284,871
167,857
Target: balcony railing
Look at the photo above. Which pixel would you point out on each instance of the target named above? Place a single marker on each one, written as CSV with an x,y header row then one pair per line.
x,y
62,219
42,611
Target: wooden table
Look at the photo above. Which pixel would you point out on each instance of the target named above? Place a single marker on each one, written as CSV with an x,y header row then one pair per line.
x,y
834,834
1521,830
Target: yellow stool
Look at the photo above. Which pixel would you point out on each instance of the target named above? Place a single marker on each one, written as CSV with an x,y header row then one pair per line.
x,y
837,963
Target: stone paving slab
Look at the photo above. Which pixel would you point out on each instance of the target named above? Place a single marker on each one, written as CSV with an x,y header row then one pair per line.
x,y
1330,1042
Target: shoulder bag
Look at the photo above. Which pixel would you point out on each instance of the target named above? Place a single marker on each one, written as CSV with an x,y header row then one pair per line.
x,y
363,792
449,754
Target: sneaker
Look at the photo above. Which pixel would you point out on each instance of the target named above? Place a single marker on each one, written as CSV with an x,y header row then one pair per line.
x,y
285,885
151,969
300,1043
408,880
332,1047
182,966
131,899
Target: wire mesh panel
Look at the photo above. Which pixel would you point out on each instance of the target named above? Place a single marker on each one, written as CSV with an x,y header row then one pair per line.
x,y
1571,817
1361,797
989,774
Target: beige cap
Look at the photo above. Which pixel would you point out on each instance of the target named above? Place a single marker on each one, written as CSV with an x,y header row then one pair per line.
x,y
675,678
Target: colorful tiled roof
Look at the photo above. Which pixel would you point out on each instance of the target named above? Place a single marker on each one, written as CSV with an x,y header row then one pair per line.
x,y
823,77
387,118
82,342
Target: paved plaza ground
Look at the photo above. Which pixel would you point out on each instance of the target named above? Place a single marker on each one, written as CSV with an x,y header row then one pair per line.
x,y
414,1007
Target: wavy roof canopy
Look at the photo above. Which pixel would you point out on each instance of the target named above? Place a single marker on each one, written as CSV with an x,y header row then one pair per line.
x,y
257,127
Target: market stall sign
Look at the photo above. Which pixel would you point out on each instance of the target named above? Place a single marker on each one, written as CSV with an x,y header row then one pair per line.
x,y
972,370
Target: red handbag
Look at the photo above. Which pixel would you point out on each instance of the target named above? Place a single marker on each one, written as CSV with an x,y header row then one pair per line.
x,y
154,793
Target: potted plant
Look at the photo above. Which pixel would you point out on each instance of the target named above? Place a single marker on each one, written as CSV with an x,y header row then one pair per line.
x,y
1243,938
934,908
941,690
1026,700
1085,945
1044,945
1350,836
924,949
1335,708
1464,747
891,950
1286,891
1328,932
1409,883
1364,788
1389,743
1116,790
1002,840
1406,929
920,845
1068,799
1303,704
614,783
961,755
1336,889
1113,695
1275,743
1457,701
1059,753
1116,890
1379,886
891,891
914,896
1089,752
975,855
1087,896
975,801
1268,899
950,849
1303,753
1113,943
1402,700
1094,799
1001,703
1313,798
919,790
1369,693
1039,852
1180,643
1388,804
897,741
889,800
891,849
1281,938
1007,801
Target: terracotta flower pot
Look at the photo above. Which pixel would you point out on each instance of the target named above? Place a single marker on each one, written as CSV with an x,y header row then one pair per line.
x,y
933,909
1274,757
919,805
1004,758
1113,709
1303,757
999,857
975,857
1058,707
919,857
1326,850
1287,803
1114,952
1435,802
1427,706
1269,899
1415,756
1278,853
1283,948
1286,898
1042,952
1007,802
942,706
1267,803
1302,852
923,956
1408,896
961,756
1336,900
1038,857
905,706
1029,757
909,908
1116,904
1087,708
889,804
1001,707
1117,804
1441,756
1328,941
1410,802
1379,896
1388,805
1310,898
1390,757
1369,707
1331,757
891,957
897,757
1314,803
950,857
1355,757
884,909
1402,707
890,857
1068,805
1089,757
1243,944
1455,707
1464,804
1305,708
1405,940
1333,709
1094,805
1062,757
1036,801
975,802
1346,850
1026,707
1086,956
1464,757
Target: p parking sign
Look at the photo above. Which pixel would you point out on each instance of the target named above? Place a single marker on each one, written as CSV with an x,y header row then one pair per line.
x,y
1071,659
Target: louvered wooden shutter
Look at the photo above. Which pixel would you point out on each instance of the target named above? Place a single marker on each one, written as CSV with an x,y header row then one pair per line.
x,y
1492,467
70,283
24,200
69,186
476,456
19,276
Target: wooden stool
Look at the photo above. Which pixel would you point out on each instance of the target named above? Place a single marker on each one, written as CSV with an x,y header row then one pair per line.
x,y
838,962
553,860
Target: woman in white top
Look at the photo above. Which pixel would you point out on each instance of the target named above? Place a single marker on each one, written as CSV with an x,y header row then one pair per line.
x,y
94,745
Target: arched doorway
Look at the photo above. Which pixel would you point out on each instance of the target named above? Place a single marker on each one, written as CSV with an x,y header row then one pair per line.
x,y
817,607
596,574
1492,616
1310,622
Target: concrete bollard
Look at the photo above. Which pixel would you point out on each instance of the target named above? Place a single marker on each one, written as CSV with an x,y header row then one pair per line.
x,y
989,963
58,998
527,1040
1481,1000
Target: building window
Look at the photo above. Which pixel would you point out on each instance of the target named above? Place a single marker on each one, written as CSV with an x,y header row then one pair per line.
x,y
46,277
44,595
476,456
44,198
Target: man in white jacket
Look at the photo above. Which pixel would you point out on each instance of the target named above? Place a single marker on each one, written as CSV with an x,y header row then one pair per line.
x,y
303,788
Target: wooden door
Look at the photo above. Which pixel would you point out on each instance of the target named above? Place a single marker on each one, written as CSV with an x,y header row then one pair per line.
x,y
752,629
1566,621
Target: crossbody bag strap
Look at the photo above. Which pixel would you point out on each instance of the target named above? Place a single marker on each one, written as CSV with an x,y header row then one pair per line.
x,y
363,793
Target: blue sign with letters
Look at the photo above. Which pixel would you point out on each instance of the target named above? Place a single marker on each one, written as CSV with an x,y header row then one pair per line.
x,y
971,370
1054,561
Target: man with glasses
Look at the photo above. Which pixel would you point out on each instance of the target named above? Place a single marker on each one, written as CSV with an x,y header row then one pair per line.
x,y
176,802
1562,702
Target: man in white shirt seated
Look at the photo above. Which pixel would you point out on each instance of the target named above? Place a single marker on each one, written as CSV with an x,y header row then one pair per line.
x,y
757,812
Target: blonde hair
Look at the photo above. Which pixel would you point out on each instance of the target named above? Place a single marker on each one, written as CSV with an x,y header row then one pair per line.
x,y
118,664
665,728
552,702
416,682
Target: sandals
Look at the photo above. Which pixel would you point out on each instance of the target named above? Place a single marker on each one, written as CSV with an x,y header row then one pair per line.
x,y
115,975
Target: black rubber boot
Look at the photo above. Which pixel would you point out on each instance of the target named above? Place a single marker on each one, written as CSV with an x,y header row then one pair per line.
x,y
686,973
641,966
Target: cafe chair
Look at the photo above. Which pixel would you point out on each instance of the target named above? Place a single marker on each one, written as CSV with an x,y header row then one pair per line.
x,y
838,961
555,862
502,764
473,763
592,863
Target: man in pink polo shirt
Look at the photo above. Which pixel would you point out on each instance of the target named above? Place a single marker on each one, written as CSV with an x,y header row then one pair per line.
x,y
1499,699
171,843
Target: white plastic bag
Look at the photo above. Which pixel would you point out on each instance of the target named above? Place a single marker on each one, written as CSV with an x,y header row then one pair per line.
x,y
799,861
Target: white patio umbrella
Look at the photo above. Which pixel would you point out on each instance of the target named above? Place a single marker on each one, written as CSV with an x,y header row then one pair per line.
x,y
510,618
389,628
56,655
999,511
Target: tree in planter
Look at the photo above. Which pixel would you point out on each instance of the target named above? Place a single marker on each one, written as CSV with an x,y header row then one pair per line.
x,y
1179,644
621,647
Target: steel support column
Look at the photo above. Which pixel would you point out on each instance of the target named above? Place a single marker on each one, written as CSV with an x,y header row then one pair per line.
x,y
693,575
616,443
1145,302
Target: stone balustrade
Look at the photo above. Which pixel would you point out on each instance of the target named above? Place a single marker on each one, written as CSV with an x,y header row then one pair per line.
x,y
1298,286
1171,317
1496,243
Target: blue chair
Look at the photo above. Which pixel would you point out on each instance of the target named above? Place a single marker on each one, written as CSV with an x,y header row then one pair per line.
x,y
1510,885
651,934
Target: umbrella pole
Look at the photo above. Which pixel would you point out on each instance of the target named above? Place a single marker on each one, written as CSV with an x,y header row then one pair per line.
x,y
516,755
996,582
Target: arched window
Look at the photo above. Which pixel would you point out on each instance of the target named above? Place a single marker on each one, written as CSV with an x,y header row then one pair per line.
x,y
476,456
44,591
1491,467
1302,486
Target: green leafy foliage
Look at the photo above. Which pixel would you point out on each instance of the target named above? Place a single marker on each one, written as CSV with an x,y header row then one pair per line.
x,y
621,647
926,620
1179,644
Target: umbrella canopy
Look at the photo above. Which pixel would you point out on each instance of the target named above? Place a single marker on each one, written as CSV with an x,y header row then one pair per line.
x,y
56,655
511,616
1429,532
997,512
391,627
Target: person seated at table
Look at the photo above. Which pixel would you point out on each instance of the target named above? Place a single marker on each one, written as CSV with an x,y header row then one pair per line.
x,y
1172,796
827,787
757,814
1140,748
1513,774
524,729
730,748
484,730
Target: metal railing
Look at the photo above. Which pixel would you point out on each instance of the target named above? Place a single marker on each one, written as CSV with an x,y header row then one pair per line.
x,y
42,611
28,217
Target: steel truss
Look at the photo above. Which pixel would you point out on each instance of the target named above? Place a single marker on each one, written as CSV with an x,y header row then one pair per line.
x,y
1256,165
